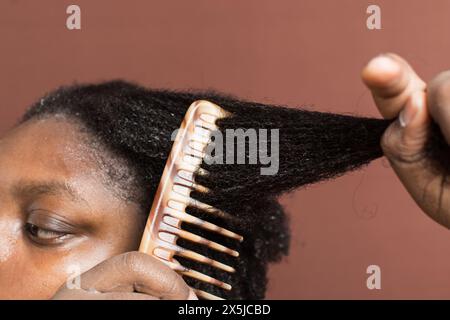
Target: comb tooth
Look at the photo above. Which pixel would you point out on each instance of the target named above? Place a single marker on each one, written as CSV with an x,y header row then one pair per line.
x,y
203,259
208,118
171,221
202,172
198,239
186,175
205,295
202,132
178,179
181,199
206,124
200,205
181,165
201,139
184,191
211,244
200,188
199,222
190,151
162,253
185,182
176,205
192,160
167,237
208,208
197,146
203,277
175,265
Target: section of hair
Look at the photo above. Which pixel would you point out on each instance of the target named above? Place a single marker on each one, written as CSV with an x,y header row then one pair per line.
x,y
313,147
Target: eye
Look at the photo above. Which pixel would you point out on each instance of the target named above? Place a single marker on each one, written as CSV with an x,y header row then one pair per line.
x,y
43,235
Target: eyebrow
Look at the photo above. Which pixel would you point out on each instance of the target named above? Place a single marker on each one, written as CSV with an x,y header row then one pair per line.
x,y
45,188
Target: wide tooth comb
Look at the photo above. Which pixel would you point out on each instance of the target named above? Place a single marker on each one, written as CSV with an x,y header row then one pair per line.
x,y
168,211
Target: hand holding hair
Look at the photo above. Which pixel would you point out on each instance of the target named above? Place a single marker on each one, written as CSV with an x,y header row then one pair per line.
x,y
399,92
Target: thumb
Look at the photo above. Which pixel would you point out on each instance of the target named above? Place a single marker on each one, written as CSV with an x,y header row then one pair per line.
x,y
403,144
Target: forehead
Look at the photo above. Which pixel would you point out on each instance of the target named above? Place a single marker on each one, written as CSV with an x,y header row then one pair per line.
x,y
54,149
46,148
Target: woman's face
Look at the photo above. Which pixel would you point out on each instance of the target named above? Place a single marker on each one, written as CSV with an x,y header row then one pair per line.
x,y
57,214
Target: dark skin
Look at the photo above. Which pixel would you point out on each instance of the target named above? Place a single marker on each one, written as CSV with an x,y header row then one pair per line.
x,y
58,215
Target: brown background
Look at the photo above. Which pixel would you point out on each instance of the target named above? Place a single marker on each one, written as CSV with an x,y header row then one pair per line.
x,y
290,52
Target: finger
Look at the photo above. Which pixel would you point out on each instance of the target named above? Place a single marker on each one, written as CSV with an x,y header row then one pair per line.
x,y
403,144
439,102
391,80
81,294
136,272
404,140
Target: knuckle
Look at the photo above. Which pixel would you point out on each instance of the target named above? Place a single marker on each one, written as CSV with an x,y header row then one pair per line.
x,y
132,261
171,284
176,287
440,85
388,143
398,150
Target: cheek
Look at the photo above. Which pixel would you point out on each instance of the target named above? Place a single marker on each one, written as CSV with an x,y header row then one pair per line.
x,y
10,253
29,272
17,277
10,233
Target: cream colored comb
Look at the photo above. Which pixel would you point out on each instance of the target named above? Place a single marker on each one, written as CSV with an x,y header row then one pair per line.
x,y
168,211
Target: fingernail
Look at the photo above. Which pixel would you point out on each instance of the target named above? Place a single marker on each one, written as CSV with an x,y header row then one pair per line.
x,y
384,63
408,113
